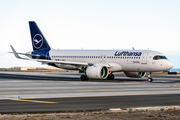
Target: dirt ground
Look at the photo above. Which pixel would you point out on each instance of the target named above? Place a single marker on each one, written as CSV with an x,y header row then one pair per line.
x,y
97,115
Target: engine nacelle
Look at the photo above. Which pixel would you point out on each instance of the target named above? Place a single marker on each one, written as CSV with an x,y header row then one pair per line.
x,y
135,74
97,72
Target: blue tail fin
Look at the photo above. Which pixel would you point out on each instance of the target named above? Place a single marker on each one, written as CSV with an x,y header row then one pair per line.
x,y
38,40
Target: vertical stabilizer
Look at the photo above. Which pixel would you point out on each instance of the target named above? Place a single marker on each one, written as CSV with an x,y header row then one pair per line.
x,y
38,40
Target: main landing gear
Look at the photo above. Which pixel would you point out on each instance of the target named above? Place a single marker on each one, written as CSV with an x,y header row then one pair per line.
x,y
84,78
110,77
150,79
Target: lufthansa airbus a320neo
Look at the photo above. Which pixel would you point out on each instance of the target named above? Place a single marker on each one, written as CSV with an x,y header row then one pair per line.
x,y
96,64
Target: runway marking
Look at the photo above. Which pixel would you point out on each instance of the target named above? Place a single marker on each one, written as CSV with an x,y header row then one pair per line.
x,y
8,92
98,90
176,83
33,101
174,88
133,89
35,92
157,88
111,90
85,90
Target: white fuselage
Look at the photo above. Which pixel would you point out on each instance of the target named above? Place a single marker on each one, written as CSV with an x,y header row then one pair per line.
x,y
122,60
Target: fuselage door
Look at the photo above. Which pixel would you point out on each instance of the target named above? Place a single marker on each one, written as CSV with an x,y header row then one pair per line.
x,y
144,58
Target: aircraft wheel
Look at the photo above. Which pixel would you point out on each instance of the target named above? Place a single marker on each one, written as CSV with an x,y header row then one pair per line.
x,y
84,78
150,79
110,77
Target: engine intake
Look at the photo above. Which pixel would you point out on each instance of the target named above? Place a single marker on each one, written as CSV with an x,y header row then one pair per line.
x,y
97,72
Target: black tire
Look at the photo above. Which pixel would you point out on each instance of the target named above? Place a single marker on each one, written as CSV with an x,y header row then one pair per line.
x,y
150,79
110,77
87,78
84,78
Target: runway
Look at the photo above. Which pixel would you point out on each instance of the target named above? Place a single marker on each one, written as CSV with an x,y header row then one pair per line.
x,y
50,92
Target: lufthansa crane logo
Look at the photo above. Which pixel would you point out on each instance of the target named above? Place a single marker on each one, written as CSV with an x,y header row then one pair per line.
x,y
37,41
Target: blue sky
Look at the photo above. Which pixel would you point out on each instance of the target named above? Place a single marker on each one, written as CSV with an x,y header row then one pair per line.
x,y
91,24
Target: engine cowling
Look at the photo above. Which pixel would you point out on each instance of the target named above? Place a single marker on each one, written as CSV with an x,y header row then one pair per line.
x,y
97,72
135,74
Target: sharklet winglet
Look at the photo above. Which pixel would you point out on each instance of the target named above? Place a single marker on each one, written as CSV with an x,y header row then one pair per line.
x,y
16,55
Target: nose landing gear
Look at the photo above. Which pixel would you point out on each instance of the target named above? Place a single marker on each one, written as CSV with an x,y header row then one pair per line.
x,y
150,79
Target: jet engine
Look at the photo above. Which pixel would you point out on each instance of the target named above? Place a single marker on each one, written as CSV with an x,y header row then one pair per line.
x,y
97,72
135,74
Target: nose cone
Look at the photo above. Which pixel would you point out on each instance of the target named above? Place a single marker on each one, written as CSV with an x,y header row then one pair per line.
x,y
169,65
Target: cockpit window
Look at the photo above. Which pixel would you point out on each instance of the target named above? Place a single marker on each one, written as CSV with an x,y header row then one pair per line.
x,y
159,57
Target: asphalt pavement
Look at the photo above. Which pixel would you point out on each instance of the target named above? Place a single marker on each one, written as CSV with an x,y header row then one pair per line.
x,y
50,92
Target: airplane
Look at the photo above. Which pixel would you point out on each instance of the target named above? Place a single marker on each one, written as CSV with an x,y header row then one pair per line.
x,y
96,64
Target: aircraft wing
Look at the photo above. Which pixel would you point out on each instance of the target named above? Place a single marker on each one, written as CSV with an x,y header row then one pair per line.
x,y
26,54
63,62
50,61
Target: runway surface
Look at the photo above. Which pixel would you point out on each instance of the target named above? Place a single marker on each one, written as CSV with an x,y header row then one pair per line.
x,y
48,92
